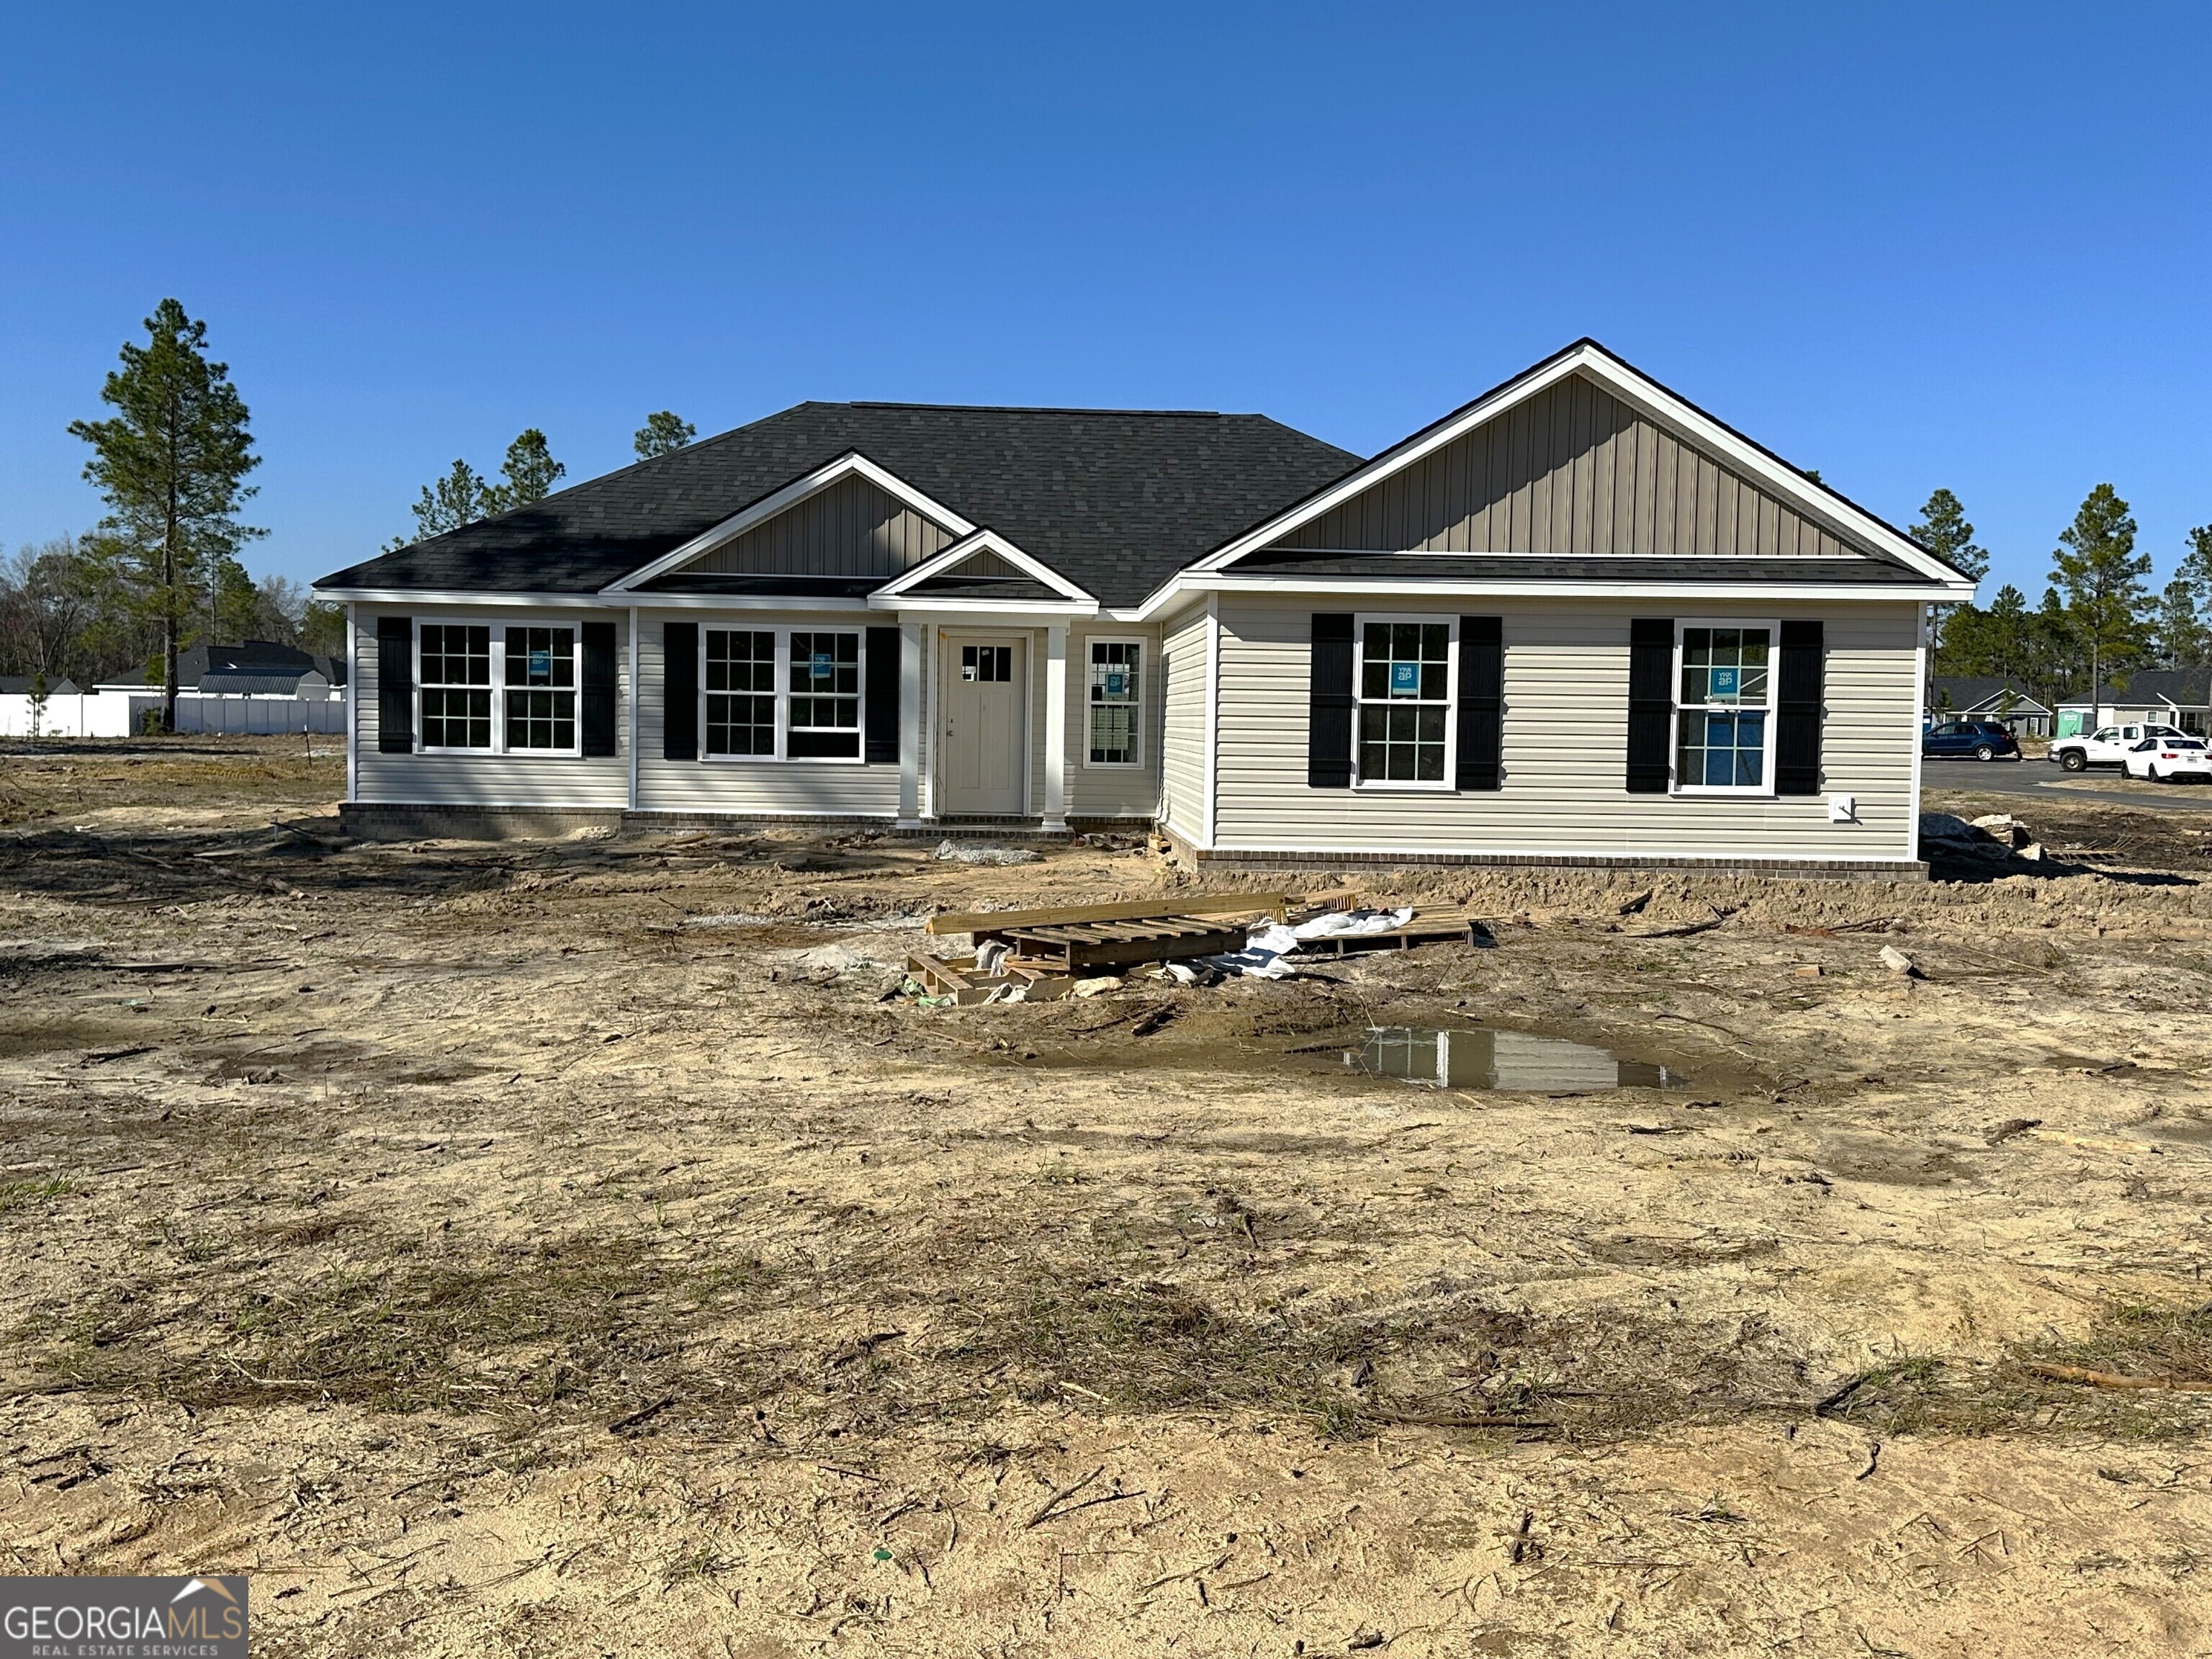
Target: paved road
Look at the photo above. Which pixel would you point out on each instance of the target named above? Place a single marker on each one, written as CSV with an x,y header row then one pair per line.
x,y
2035,778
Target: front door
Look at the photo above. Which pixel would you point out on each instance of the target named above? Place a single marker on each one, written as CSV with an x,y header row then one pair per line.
x,y
984,770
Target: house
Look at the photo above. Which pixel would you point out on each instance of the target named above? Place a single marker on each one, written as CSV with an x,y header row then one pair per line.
x,y
27,685
2179,697
1989,698
253,668
1577,621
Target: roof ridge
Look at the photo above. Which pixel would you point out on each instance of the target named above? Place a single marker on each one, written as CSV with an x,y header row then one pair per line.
x,y
1041,409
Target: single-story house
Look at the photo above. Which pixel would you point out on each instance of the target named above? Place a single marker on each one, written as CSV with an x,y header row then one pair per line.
x,y
256,668
1578,620
25,685
2179,697
1989,698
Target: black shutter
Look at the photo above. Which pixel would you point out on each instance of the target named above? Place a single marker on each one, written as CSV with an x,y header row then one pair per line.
x,y
597,718
1797,709
1650,702
1329,703
1481,701
882,717
679,675
395,685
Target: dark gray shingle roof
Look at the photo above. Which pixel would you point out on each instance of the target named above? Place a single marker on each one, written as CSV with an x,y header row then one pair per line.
x,y
1397,569
1116,500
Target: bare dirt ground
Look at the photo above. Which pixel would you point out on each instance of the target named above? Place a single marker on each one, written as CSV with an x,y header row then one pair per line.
x,y
583,1248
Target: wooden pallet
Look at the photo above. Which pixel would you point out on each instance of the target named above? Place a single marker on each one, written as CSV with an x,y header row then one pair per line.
x,y
959,980
1190,904
1086,947
1427,927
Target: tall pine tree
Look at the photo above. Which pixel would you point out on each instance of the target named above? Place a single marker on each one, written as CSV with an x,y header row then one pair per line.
x,y
171,462
2097,564
663,431
530,471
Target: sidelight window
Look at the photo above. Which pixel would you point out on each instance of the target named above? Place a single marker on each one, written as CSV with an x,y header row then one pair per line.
x,y
1114,701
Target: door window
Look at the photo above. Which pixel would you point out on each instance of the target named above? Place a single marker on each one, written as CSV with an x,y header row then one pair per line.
x,y
987,663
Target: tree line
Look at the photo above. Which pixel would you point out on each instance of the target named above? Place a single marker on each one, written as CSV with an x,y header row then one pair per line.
x,y
163,570
2097,621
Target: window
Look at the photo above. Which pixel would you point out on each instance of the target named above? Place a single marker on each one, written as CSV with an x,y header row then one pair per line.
x,y
1402,689
770,694
994,662
1724,730
741,692
541,688
1115,702
825,697
455,678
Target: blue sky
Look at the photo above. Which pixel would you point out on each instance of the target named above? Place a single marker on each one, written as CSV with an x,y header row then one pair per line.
x,y
1910,245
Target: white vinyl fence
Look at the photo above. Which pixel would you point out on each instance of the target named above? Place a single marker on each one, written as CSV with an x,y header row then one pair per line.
x,y
119,715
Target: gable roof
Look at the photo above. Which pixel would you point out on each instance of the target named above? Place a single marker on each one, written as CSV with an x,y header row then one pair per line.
x,y
1116,501
1970,692
1790,513
254,657
19,685
2185,688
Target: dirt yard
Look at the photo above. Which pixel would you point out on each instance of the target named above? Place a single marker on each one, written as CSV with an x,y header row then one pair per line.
x,y
585,1248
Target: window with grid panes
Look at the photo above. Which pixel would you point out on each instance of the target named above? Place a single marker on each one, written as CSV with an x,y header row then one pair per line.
x,y
825,696
455,683
740,691
541,688
1117,699
1723,726
1403,691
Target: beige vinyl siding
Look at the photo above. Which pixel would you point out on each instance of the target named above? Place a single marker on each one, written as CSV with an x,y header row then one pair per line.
x,y
803,788
521,780
1572,469
1182,726
853,528
1112,791
1565,744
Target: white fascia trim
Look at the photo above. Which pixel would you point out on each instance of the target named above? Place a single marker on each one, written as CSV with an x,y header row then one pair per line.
x,y
1633,388
493,601
1766,593
847,465
985,540
969,613
798,604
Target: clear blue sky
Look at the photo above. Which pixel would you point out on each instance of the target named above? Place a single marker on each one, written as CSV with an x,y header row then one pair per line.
x,y
1910,245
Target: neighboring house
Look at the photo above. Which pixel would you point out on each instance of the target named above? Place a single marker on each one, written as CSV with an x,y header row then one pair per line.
x,y
1989,698
2177,696
1577,621
254,668
25,685
58,711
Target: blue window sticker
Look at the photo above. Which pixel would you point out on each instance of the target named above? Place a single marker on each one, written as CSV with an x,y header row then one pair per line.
x,y
1117,686
822,665
541,665
1405,679
1725,681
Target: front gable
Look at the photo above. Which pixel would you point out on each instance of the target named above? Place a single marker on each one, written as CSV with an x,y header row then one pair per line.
x,y
1572,470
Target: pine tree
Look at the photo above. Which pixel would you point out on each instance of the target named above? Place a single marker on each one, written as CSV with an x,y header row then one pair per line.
x,y
661,434
1944,531
530,471
2097,564
171,462
2178,630
460,497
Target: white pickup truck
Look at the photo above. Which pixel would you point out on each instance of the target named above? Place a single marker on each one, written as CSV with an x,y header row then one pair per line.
x,y
2107,745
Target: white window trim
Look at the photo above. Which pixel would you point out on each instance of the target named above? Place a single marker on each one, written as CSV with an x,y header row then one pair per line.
x,y
1449,784
1736,791
782,756
1136,762
499,688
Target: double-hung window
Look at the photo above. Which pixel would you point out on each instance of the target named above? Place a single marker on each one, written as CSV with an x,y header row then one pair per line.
x,y
781,694
1115,700
455,681
1724,723
741,692
541,688
1402,690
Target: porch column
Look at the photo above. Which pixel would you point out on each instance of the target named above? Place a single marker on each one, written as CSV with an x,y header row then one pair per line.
x,y
910,719
1056,727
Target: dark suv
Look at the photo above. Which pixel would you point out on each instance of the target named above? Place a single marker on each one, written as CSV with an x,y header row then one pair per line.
x,y
1965,739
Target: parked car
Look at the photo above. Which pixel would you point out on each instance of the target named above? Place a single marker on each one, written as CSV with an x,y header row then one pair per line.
x,y
1965,739
2107,745
2163,759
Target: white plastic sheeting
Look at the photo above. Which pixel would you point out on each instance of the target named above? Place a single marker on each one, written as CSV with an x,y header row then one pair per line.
x,y
1264,951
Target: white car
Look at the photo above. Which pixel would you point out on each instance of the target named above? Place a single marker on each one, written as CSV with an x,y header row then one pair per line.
x,y
2168,758
2108,745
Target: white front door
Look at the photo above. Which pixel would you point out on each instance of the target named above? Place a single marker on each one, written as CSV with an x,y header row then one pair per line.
x,y
984,768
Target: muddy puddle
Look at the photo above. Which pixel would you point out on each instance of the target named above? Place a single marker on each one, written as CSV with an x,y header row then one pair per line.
x,y
1481,1058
